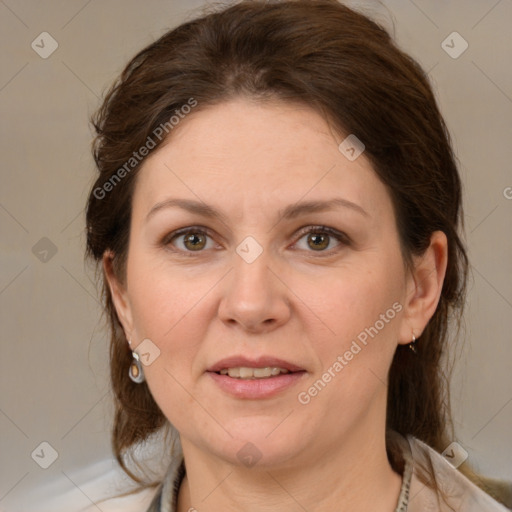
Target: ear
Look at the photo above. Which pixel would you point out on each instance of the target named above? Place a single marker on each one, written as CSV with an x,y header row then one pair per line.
x,y
119,295
424,286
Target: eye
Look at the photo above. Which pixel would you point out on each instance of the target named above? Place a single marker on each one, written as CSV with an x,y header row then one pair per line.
x,y
189,240
321,239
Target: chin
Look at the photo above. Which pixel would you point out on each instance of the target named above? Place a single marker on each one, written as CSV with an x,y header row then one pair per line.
x,y
261,442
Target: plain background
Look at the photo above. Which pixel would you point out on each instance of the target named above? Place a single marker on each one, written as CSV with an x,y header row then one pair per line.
x,y
53,359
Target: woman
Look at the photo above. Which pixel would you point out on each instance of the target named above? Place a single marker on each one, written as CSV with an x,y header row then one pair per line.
x,y
276,216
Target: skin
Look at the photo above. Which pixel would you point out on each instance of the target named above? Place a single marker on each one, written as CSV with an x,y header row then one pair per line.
x,y
250,160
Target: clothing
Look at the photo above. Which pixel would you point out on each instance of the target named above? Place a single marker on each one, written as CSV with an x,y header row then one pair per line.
x,y
461,494
176,472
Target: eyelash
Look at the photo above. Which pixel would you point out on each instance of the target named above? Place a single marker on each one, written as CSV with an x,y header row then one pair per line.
x,y
342,238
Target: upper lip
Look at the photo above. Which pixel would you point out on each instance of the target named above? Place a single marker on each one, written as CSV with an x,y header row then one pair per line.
x,y
259,362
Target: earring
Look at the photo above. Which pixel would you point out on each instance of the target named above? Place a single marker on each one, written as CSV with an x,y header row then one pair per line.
x,y
136,372
411,345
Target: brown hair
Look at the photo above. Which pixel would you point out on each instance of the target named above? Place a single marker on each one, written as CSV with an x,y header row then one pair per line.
x,y
344,65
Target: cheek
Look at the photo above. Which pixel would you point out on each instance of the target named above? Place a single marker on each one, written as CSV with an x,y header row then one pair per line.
x,y
162,296
171,306
353,302
363,309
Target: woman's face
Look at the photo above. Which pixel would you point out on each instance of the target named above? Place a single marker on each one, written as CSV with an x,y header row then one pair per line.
x,y
257,243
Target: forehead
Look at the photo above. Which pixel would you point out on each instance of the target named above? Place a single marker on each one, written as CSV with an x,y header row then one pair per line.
x,y
256,155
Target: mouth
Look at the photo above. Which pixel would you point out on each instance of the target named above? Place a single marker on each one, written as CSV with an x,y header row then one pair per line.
x,y
246,373
262,367
263,377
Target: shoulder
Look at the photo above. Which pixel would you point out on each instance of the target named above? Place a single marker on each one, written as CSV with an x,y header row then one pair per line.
x,y
460,493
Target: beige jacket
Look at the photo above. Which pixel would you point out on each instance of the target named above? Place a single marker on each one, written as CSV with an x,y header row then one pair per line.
x,y
461,494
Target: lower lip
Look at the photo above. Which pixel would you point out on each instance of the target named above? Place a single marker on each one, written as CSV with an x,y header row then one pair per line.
x,y
256,388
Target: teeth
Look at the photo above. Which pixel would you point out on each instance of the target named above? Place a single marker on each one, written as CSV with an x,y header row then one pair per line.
x,y
243,372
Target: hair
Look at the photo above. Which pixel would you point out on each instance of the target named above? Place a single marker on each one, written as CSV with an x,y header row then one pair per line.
x,y
346,67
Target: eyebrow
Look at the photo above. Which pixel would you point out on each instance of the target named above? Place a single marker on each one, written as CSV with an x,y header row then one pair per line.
x,y
290,212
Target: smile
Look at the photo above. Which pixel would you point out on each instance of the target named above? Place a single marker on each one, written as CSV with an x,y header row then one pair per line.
x,y
243,372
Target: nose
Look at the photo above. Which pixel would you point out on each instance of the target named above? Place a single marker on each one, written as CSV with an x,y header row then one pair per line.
x,y
253,297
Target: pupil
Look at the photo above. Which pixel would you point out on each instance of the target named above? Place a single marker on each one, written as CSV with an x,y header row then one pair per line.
x,y
319,241
194,241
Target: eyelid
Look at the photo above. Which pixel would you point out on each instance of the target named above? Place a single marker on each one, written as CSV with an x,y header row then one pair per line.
x,y
341,237
168,238
183,231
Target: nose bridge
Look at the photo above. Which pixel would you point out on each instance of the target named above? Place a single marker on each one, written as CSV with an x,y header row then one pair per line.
x,y
250,276
250,281
253,297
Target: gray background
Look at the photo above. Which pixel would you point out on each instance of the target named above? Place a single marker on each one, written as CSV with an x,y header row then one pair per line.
x,y
53,359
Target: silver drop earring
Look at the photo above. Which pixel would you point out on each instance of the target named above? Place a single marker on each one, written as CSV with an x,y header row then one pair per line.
x,y
411,345
136,373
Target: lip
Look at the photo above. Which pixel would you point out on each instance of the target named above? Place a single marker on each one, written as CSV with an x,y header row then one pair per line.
x,y
255,388
259,362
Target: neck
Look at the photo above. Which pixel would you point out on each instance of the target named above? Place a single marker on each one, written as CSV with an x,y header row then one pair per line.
x,y
355,476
